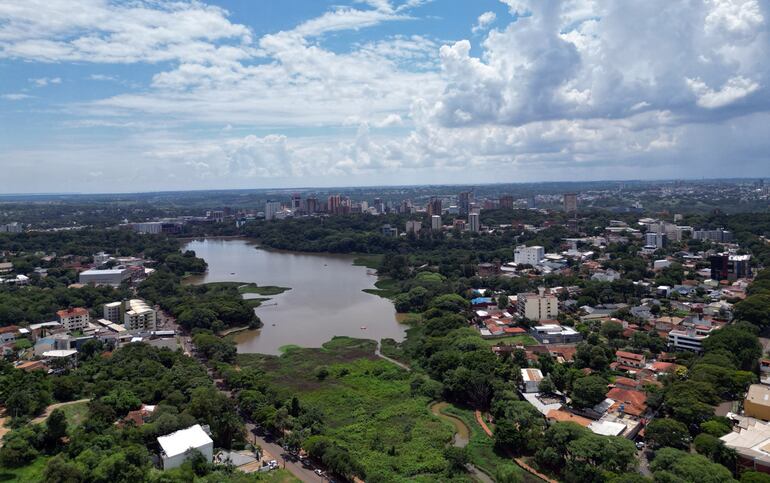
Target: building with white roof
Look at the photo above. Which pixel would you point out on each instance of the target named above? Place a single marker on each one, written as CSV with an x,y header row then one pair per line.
x,y
139,316
751,441
178,446
531,378
112,277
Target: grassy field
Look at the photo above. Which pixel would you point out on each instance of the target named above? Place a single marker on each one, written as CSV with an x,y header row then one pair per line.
x,y
386,288
368,261
265,290
481,448
525,340
33,472
367,407
76,414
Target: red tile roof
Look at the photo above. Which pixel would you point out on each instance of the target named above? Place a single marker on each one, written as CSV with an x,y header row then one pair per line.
x,y
629,355
634,402
72,312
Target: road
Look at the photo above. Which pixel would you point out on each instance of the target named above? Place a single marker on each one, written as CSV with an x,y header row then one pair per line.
x,y
294,467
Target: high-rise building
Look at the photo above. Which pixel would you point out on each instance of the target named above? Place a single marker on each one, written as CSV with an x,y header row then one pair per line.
x,y
311,205
473,222
506,202
435,223
379,205
334,204
296,202
413,226
570,202
718,236
139,316
271,208
655,239
434,206
464,202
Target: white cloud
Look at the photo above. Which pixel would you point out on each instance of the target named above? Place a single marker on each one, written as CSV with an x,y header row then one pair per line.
x,y
581,86
484,21
44,81
734,89
15,97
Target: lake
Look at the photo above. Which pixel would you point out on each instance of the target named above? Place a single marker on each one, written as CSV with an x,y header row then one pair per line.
x,y
325,299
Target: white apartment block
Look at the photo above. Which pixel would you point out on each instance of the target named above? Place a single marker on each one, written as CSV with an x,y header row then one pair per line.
x,y
435,222
528,255
139,316
74,319
112,312
690,337
538,306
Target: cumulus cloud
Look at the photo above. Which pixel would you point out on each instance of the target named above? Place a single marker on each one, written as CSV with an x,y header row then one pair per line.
x,y
484,21
578,86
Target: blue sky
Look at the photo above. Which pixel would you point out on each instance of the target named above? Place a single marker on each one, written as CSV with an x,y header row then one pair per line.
x,y
99,95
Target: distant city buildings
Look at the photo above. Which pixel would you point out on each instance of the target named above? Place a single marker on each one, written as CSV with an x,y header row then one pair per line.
x,y
434,206
11,228
717,236
413,226
271,209
464,202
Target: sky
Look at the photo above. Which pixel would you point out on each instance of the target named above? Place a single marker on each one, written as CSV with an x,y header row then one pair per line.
x,y
146,95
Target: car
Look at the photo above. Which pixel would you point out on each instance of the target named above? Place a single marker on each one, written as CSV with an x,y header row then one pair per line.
x,y
640,445
319,472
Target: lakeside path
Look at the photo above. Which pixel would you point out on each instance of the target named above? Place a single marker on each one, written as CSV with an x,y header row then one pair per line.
x,y
378,353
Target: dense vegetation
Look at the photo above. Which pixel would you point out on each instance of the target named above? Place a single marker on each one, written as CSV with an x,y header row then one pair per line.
x,y
98,449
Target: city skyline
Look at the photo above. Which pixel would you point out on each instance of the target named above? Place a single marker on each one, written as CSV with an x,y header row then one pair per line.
x,y
145,96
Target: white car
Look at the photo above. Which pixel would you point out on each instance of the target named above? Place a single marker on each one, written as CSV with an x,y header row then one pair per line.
x,y
319,472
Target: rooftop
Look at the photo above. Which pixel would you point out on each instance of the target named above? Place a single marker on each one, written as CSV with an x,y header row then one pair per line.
x,y
759,394
181,441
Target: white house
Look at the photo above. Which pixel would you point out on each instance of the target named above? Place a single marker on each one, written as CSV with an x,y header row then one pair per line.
x,y
178,446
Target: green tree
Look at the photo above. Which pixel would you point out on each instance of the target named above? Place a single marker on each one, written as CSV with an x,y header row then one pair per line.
x,y
662,432
456,458
61,470
588,391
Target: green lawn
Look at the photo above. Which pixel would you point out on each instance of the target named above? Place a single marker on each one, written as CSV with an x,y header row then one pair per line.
x,y
367,405
386,288
33,472
525,340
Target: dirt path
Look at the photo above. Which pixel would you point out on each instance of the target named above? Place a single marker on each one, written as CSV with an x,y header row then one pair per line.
x,y
50,409
483,424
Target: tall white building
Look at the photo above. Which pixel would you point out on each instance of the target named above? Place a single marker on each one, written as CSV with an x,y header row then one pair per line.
x,y
528,255
473,222
112,312
691,335
435,222
150,227
271,208
139,316
538,306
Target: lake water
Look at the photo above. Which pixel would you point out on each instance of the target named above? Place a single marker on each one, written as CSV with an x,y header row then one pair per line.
x,y
325,299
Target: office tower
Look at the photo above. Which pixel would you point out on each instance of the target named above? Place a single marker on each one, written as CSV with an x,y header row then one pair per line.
x,y
435,222
465,200
473,222
434,206
570,202
506,202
